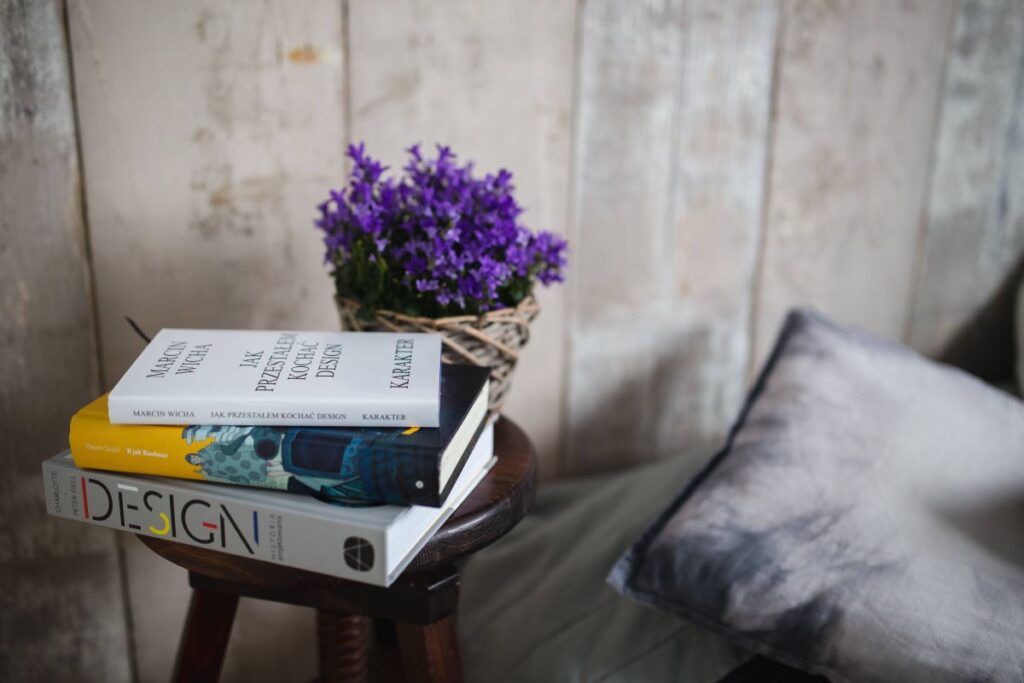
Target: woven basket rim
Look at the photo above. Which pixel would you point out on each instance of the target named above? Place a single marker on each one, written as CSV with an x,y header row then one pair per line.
x,y
527,306
493,339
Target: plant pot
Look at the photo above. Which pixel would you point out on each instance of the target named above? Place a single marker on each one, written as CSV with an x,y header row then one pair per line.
x,y
493,339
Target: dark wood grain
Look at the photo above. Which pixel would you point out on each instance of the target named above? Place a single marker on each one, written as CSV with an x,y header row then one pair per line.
x,y
421,601
343,643
420,598
495,505
430,653
205,637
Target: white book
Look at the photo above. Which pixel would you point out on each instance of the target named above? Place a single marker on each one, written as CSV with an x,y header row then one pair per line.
x,y
257,377
369,544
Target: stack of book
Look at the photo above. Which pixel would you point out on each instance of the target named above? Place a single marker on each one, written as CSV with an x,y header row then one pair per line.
x,y
336,452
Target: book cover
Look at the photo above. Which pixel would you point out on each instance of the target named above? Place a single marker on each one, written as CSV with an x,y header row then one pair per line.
x,y
348,465
369,544
251,377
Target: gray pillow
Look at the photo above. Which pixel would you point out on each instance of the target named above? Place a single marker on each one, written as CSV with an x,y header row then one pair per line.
x,y
865,519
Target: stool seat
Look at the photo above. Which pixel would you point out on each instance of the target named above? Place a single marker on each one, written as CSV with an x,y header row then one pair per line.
x,y
420,601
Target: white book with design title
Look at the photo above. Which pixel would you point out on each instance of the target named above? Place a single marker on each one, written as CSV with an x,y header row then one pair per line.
x,y
367,544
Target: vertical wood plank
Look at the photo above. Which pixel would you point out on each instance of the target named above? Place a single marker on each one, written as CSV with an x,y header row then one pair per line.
x,y
724,116
494,81
670,151
209,132
631,61
204,638
61,609
343,645
854,124
974,234
430,652
630,67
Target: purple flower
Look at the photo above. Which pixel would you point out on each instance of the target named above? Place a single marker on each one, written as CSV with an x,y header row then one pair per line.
x,y
437,241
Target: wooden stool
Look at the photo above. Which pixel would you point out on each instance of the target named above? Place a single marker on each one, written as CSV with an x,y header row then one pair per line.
x,y
421,603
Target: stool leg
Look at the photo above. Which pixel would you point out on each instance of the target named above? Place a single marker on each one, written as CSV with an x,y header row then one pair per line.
x,y
205,638
343,642
430,654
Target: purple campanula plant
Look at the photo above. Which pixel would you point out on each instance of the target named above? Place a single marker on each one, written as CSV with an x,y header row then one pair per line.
x,y
438,241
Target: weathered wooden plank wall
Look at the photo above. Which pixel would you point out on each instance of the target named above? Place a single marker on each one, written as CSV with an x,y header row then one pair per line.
x,y
974,221
494,81
857,102
712,162
209,132
673,111
61,607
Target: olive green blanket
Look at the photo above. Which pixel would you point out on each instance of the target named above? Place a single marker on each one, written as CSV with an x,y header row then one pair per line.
x,y
535,606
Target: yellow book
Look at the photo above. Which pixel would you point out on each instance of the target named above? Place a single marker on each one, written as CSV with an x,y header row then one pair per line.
x,y
161,450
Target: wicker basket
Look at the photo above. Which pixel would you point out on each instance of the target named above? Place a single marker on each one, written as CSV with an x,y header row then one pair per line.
x,y
493,339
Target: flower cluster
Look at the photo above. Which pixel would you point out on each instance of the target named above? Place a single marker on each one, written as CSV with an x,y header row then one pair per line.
x,y
439,241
